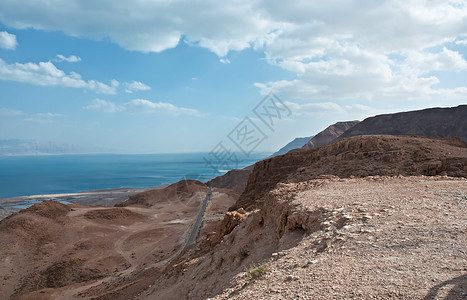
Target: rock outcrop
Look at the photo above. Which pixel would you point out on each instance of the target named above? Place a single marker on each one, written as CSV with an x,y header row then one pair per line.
x,y
431,122
329,134
188,192
358,156
234,179
295,144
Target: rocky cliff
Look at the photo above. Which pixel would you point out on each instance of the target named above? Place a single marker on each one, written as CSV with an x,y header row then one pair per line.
x,y
329,134
358,156
296,143
432,122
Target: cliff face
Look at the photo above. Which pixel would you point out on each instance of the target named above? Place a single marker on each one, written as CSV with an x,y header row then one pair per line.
x,y
358,156
432,122
329,134
234,179
295,144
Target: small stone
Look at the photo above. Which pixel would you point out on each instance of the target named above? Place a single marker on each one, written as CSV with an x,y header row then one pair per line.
x,y
291,277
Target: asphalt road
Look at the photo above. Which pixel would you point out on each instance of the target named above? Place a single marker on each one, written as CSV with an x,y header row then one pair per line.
x,y
199,219
195,230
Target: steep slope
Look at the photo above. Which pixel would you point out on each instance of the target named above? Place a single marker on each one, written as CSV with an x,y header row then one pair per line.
x,y
369,238
186,192
296,143
432,122
358,156
55,251
303,226
234,179
329,134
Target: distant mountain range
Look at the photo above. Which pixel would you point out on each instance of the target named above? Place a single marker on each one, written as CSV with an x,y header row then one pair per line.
x,y
33,147
329,134
296,143
431,122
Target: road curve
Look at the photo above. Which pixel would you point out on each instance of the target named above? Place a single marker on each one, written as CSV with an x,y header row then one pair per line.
x,y
199,219
195,229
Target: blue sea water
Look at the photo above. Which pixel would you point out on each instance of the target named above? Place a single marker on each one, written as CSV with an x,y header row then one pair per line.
x,y
55,174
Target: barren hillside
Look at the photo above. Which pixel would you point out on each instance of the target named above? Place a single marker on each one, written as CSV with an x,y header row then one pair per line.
x,y
329,134
53,251
431,122
369,217
358,156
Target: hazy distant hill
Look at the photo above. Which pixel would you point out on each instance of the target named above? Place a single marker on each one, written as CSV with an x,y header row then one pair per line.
x,y
296,143
329,134
431,122
34,147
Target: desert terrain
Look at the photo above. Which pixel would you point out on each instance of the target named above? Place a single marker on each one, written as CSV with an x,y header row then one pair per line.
x,y
56,250
107,197
368,217
363,238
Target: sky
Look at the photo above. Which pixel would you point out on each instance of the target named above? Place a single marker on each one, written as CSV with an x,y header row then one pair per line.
x,y
187,76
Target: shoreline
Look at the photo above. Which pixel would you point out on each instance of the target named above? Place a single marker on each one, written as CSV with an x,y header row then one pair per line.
x,y
107,197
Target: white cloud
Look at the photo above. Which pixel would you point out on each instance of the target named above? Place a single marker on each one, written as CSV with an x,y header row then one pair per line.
x,y
8,40
43,118
10,112
47,117
148,26
224,60
446,60
320,109
338,50
136,86
71,58
138,106
47,74
146,106
104,106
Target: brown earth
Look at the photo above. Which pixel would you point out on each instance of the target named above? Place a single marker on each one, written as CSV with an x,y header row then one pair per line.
x,y
329,134
322,237
370,238
431,122
358,156
234,179
186,192
54,251
107,197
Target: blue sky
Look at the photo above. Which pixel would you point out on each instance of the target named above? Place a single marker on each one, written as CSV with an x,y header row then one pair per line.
x,y
179,76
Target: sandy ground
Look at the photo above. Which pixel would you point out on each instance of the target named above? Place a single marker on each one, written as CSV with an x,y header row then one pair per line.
x,y
378,238
99,197
56,251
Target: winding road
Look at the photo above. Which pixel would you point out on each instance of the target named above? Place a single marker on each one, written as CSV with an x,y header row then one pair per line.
x,y
195,229
199,219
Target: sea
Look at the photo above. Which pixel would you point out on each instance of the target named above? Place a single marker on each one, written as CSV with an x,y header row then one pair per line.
x,y
57,174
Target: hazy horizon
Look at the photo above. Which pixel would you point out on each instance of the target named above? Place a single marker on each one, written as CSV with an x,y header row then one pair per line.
x,y
184,77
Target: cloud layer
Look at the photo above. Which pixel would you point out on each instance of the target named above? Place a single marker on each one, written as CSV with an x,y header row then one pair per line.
x,y
338,50
142,106
47,74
